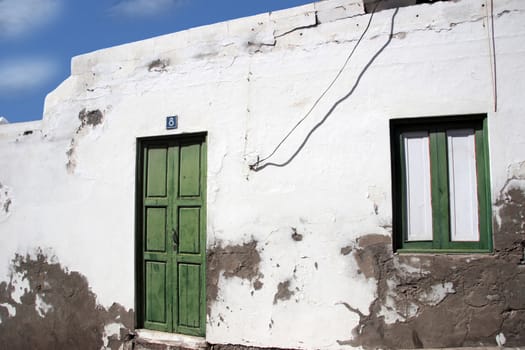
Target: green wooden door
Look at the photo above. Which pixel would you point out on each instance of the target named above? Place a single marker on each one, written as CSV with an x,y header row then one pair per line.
x,y
172,239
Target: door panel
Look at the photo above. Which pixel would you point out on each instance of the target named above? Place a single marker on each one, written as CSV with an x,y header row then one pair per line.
x,y
156,229
189,290
189,171
155,252
171,202
156,174
189,230
156,292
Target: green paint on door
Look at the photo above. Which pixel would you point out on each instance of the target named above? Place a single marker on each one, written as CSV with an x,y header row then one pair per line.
x,y
189,166
189,288
156,291
156,174
189,224
172,234
156,229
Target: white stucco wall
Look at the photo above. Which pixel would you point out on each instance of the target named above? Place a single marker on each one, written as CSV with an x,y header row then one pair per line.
x,y
247,83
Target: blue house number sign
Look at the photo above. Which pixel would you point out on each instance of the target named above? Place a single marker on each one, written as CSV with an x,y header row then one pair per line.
x,y
171,122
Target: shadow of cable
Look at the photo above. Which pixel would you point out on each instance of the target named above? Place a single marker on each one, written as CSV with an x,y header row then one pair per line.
x,y
258,167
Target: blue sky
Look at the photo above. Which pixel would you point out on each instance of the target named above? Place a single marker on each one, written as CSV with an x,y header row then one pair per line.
x,y
39,37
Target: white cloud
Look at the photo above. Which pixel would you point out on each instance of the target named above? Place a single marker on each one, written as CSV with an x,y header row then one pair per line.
x,y
23,75
18,17
143,8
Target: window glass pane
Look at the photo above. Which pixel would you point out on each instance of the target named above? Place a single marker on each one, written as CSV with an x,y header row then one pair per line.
x,y
418,199
462,185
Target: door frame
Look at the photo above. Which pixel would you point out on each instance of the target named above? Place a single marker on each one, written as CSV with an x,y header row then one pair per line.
x,y
141,142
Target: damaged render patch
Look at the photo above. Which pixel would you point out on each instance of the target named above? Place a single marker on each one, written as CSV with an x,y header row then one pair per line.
x,y
472,298
87,119
5,202
510,217
296,236
158,65
240,261
283,292
57,310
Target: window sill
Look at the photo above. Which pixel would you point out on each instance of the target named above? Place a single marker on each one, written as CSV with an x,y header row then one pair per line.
x,y
444,251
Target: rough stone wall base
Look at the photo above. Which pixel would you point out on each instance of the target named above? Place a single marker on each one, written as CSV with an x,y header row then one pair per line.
x,y
142,344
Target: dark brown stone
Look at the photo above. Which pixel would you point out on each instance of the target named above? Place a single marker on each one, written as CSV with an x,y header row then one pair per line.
x,y
485,323
514,327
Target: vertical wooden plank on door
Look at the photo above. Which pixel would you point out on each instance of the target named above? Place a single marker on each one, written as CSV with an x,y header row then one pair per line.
x,y
156,292
189,303
156,229
174,160
191,251
189,229
155,254
190,170
156,174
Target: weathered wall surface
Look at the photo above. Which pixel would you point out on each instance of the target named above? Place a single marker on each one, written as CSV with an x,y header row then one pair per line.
x,y
299,251
44,306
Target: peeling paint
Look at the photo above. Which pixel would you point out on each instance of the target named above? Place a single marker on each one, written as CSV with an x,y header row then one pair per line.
x,y
240,261
471,298
296,236
6,202
377,196
346,250
19,286
42,308
283,292
91,119
437,293
71,157
510,215
60,307
11,310
500,339
159,65
257,284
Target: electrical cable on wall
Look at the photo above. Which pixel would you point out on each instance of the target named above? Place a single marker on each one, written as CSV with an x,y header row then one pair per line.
x,y
257,165
489,5
495,77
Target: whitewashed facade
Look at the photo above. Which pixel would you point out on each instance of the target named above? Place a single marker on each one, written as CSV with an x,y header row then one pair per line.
x,y
68,185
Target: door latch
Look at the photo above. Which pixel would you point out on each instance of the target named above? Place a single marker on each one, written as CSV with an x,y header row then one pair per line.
x,y
175,238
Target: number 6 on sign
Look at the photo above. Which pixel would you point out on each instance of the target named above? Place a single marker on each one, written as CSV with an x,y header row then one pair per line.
x,y
171,122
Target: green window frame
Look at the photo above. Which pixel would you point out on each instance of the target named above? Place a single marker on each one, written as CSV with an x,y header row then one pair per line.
x,y
439,238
